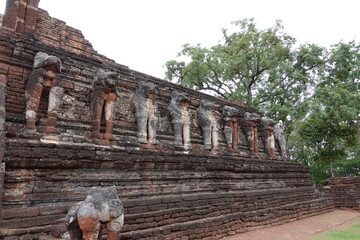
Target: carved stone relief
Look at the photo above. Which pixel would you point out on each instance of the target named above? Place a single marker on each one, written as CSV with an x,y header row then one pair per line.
x,y
102,206
279,134
44,76
178,109
102,103
146,111
268,136
250,128
206,115
230,117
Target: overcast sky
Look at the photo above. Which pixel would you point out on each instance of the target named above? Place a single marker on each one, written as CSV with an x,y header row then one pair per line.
x,y
144,34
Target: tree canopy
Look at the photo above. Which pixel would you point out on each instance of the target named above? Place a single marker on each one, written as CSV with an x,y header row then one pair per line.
x,y
259,67
314,90
330,130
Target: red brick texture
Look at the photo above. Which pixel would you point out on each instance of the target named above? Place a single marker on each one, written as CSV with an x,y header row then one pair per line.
x,y
167,194
344,191
20,15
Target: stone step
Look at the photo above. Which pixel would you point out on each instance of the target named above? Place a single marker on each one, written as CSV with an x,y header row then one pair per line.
x,y
233,223
222,225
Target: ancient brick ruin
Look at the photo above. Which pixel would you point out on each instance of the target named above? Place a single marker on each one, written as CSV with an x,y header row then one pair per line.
x,y
186,165
345,192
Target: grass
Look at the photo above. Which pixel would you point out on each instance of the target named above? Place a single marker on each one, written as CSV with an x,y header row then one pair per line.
x,y
351,233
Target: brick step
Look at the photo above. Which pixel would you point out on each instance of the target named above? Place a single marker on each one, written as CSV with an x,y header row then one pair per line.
x,y
42,192
233,223
167,208
198,207
232,161
214,227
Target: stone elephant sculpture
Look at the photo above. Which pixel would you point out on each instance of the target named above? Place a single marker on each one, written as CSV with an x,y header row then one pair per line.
x,y
101,207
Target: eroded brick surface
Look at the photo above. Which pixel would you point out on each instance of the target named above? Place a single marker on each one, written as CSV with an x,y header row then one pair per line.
x,y
345,191
167,193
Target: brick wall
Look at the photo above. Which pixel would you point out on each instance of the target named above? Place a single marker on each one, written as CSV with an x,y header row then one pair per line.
x,y
20,15
55,32
3,81
345,192
76,78
164,194
167,194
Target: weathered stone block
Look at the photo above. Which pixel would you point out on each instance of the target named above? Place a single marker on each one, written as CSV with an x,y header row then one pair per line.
x,y
200,194
21,11
9,19
30,19
344,191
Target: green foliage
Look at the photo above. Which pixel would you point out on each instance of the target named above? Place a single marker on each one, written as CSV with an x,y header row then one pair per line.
x,y
330,130
348,168
315,91
255,66
318,172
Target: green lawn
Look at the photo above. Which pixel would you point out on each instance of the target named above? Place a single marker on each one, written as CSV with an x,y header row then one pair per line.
x,y
351,233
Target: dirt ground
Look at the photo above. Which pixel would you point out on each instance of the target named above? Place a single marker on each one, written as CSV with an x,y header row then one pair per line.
x,y
304,229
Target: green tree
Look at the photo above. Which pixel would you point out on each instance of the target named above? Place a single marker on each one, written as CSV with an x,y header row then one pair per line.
x,y
344,65
316,92
259,67
329,132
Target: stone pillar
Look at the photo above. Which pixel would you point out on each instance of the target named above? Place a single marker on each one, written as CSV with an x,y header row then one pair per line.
x,y
3,82
20,15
